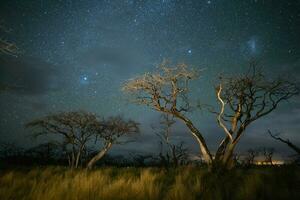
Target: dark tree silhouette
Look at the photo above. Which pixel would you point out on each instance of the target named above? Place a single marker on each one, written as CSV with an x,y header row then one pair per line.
x,y
268,155
45,151
140,160
10,150
170,153
250,157
285,141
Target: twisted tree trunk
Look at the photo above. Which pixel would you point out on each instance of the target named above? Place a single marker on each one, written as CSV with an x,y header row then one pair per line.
x,y
99,155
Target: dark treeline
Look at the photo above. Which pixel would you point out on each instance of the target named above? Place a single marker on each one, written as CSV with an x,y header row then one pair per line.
x,y
51,154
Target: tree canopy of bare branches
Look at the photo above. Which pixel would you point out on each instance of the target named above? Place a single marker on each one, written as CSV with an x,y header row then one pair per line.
x,y
74,131
167,91
250,157
268,155
243,99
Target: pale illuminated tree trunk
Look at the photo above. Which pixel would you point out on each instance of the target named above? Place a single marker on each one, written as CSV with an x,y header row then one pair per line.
x,y
99,155
248,98
198,136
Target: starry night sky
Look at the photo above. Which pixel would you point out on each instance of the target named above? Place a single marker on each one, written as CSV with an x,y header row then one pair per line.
x,y
75,55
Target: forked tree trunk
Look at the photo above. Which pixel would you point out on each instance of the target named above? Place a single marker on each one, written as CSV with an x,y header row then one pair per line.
x,y
224,156
98,156
227,158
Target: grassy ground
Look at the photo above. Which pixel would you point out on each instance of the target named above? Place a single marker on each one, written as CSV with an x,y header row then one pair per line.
x,y
149,183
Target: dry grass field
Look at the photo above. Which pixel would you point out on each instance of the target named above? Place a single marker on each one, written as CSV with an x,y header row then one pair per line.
x,y
55,183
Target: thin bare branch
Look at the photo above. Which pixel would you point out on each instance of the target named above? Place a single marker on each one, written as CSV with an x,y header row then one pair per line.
x,y
219,118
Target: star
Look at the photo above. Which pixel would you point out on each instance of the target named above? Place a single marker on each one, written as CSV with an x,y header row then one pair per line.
x,y
84,80
190,51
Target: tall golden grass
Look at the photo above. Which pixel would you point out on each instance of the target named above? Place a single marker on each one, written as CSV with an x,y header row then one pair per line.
x,y
57,183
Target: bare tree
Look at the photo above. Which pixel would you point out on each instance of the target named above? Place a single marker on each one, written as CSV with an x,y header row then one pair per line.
x,y
179,154
109,131
285,141
175,154
250,157
167,91
268,155
72,129
243,100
